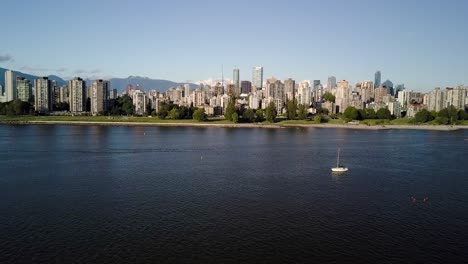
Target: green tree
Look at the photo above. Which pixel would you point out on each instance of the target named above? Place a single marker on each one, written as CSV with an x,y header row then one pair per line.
x,y
450,114
351,113
302,112
318,119
249,115
163,110
329,97
383,113
291,109
370,113
462,115
230,110
174,114
200,115
235,117
260,116
423,116
271,113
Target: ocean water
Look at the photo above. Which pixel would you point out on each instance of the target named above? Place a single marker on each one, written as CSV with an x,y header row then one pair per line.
x,y
97,194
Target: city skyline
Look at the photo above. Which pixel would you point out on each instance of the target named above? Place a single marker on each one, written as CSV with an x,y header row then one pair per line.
x,y
176,40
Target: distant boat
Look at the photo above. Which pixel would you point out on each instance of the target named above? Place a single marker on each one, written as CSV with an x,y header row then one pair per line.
x,y
338,167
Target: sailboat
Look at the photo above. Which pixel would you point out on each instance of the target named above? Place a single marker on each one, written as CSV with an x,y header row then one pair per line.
x,y
338,167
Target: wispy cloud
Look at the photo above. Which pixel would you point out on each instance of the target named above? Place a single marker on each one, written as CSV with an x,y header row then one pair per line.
x,y
6,58
81,71
41,69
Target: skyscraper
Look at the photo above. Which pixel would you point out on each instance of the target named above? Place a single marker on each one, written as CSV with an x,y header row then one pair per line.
x,y
317,91
389,85
378,79
257,77
236,79
303,93
99,96
10,86
24,88
290,89
43,99
77,99
331,83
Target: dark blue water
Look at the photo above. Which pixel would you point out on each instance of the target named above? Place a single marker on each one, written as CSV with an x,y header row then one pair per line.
x,y
90,194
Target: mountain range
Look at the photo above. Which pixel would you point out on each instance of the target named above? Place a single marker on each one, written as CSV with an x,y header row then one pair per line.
x,y
116,83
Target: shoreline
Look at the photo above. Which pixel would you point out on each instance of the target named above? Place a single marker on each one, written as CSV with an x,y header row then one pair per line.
x,y
241,125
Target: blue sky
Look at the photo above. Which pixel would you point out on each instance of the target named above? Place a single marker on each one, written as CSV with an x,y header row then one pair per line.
x,y
423,44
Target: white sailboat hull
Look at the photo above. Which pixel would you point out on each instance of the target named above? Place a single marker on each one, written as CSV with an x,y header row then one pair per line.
x,y
339,169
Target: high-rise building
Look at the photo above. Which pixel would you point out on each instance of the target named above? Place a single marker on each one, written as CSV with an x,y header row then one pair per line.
x,y
236,80
77,98
317,91
99,96
139,102
342,96
186,92
257,78
389,86
377,79
24,88
398,88
44,98
367,91
331,83
10,86
246,87
303,93
290,89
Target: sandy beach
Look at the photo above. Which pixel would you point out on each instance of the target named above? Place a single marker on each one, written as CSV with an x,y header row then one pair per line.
x,y
242,125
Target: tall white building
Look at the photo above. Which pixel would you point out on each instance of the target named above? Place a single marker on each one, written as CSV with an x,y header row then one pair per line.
x,y
342,95
10,86
187,93
77,96
304,93
44,99
436,100
139,102
257,78
236,78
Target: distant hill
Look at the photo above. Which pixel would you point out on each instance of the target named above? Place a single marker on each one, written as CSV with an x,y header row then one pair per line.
x,y
146,83
116,83
30,77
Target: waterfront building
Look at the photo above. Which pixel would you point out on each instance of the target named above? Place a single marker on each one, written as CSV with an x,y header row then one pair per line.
x,y
10,86
290,89
255,100
24,89
257,78
139,102
43,99
456,97
304,93
436,100
342,96
77,97
99,96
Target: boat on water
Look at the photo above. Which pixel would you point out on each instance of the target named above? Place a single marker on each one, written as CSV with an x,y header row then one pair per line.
x,y
338,167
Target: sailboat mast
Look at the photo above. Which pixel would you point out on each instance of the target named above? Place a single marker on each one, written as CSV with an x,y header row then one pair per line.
x,y
338,159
